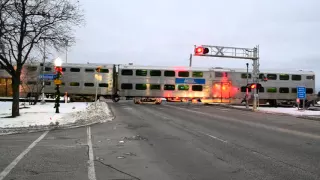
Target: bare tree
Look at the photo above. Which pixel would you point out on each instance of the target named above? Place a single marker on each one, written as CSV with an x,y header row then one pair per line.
x,y
26,23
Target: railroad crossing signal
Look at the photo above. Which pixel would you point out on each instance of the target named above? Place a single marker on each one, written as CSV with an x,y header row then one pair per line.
x,y
254,86
198,51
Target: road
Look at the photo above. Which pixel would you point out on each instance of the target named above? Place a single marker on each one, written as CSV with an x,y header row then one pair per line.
x,y
171,141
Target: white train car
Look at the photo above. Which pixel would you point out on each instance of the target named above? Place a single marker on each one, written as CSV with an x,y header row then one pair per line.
x,y
280,87
168,82
212,84
78,80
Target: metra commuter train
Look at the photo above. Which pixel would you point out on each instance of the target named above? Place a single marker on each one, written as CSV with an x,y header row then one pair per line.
x,y
227,85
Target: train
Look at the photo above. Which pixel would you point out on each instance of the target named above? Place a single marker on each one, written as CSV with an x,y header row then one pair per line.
x,y
80,82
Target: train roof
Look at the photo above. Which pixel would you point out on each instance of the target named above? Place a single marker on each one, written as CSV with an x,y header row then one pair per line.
x,y
75,65
186,68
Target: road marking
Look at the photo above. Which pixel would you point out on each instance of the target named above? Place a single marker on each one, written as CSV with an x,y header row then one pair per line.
x,y
91,171
7,170
214,137
254,124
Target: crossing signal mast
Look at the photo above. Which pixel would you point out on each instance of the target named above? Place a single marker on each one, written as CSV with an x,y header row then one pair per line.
x,y
234,52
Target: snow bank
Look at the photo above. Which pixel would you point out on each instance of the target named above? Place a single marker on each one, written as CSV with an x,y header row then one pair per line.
x,y
291,111
285,110
43,115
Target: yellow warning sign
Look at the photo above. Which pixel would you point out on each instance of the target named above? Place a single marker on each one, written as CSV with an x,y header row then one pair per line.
x,y
57,81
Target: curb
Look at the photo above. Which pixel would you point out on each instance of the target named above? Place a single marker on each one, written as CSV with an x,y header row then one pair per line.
x,y
53,128
265,112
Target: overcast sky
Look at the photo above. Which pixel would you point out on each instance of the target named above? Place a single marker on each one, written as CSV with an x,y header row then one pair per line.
x,y
163,32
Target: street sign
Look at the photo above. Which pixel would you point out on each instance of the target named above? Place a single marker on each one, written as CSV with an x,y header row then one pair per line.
x,y
301,92
47,76
57,81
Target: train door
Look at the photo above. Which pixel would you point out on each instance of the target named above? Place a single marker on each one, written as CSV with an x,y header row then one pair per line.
x,y
221,92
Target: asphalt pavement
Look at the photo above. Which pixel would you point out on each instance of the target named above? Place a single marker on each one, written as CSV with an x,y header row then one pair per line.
x,y
174,141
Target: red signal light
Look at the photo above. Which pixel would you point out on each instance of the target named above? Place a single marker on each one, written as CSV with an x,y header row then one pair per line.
x,y
199,50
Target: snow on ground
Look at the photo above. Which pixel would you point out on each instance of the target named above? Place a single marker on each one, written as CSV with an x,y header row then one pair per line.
x,y
286,110
39,114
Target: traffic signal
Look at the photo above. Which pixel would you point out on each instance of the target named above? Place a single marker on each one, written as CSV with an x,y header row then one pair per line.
x,y
201,50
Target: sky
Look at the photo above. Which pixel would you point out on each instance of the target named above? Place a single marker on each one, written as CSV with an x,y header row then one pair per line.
x,y
164,32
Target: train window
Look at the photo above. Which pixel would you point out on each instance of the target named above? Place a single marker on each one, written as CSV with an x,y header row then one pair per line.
x,y
294,90
261,90
221,74
47,69
183,74
244,76
272,90
197,74
309,91
31,82
261,76
104,70
284,77
155,86
155,73
272,76
284,90
141,72
141,86
74,69
32,68
74,84
126,72
169,87
197,88
47,83
244,89
310,77
296,77
126,86
89,70
183,87
103,85
169,73
89,84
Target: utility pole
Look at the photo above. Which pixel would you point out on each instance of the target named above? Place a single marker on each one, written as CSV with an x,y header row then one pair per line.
x,y
67,42
247,90
43,69
190,60
97,77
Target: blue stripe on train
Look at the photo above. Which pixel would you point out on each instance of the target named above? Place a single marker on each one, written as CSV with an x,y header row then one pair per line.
x,y
190,81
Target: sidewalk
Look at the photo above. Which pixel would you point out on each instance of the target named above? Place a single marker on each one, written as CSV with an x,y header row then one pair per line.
x,y
43,117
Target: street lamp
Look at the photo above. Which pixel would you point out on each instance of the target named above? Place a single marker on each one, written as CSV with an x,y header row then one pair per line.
x,y
57,81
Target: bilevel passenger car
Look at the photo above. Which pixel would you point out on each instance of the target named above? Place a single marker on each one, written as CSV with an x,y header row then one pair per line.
x,y
212,84
78,81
